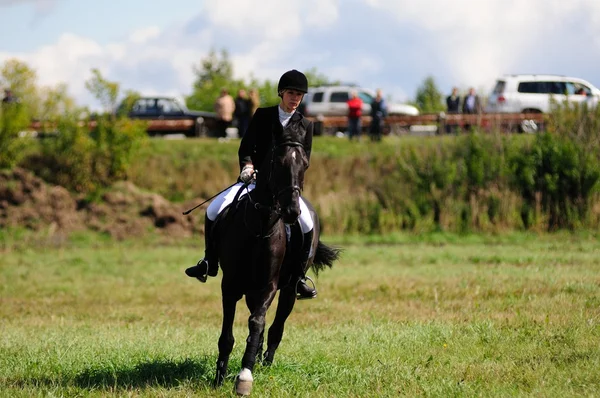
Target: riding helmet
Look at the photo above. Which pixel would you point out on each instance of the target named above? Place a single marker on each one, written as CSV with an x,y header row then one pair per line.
x,y
293,80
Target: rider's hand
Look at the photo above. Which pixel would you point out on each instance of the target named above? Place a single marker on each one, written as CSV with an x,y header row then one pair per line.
x,y
247,173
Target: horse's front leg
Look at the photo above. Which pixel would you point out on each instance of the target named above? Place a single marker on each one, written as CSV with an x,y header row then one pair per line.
x,y
256,325
226,340
287,299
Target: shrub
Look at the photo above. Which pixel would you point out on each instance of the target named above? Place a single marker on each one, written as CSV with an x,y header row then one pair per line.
x,y
13,121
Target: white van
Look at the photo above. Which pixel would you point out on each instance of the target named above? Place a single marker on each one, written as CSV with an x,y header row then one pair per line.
x,y
332,101
532,93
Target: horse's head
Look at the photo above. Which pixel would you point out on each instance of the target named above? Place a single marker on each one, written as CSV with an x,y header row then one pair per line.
x,y
283,177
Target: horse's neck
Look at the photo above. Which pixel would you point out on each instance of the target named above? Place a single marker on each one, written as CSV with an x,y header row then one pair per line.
x,y
262,194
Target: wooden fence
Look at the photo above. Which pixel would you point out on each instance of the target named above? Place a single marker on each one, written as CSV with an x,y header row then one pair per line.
x,y
439,123
426,124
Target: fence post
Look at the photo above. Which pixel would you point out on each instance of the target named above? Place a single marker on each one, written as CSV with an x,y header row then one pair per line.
x,y
441,122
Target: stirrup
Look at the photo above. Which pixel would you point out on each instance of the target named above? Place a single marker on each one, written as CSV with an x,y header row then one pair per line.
x,y
192,271
314,287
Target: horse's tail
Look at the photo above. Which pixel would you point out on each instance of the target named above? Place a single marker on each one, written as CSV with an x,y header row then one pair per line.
x,y
324,257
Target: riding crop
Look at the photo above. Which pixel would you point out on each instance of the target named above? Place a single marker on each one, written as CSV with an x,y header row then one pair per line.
x,y
207,200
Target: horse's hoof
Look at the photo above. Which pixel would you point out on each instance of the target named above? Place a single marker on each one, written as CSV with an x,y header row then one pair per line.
x,y
267,359
243,388
243,383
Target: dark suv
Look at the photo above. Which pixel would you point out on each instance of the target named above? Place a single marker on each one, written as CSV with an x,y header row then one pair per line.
x,y
167,115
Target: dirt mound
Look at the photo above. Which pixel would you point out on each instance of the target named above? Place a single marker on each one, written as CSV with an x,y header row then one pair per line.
x,y
122,211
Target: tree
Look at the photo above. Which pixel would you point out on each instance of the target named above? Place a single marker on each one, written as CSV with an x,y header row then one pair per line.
x,y
127,103
22,80
429,98
315,78
214,73
103,90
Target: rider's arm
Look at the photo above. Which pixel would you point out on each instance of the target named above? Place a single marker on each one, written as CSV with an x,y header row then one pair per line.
x,y
248,144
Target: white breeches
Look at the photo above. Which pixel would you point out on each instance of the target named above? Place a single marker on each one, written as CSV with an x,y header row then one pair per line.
x,y
226,197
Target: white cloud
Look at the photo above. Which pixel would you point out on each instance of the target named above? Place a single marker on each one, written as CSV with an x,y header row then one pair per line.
x,y
392,44
488,38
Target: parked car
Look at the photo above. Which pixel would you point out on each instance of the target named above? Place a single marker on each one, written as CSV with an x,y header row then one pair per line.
x,y
168,115
331,101
532,93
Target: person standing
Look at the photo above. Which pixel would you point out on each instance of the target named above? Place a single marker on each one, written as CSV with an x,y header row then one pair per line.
x,y
354,114
254,101
452,108
378,113
224,108
471,105
242,111
266,124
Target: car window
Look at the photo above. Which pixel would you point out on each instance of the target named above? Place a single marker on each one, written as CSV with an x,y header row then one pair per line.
x,y
168,106
550,87
532,88
500,85
339,96
317,97
145,106
577,88
557,87
365,97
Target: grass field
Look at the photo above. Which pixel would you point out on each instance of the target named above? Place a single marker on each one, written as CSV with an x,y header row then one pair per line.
x,y
434,315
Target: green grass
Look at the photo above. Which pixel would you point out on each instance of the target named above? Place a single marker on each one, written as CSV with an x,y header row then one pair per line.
x,y
402,315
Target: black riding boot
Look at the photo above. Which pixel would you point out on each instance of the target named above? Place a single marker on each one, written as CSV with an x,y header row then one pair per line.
x,y
304,291
209,265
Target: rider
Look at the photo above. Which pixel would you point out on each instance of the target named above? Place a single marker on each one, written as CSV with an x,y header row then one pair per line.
x,y
253,150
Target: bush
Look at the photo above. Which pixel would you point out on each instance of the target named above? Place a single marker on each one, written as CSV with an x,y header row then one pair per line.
x,y
13,121
83,159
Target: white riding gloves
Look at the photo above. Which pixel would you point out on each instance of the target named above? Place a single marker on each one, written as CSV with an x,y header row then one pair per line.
x,y
247,173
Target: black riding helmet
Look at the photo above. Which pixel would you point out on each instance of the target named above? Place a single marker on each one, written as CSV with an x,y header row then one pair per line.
x,y
293,80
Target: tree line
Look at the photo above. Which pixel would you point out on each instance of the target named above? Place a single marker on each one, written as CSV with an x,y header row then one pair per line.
x,y
214,72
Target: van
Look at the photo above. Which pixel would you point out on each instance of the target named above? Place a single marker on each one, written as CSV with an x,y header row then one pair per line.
x,y
533,93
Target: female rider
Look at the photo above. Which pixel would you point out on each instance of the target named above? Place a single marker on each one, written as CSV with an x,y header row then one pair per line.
x,y
264,125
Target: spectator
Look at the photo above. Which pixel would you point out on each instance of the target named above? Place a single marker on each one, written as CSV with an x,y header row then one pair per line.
x,y
354,114
242,111
254,101
452,107
453,102
378,113
224,107
471,103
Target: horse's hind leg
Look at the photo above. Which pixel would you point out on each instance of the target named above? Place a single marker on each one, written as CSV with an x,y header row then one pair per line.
x,y
287,299
226,340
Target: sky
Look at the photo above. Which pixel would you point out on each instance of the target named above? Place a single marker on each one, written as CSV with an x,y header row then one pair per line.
x,y
153,46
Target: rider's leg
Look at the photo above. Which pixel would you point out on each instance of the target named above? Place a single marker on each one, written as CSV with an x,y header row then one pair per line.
x,y
209,265
306,225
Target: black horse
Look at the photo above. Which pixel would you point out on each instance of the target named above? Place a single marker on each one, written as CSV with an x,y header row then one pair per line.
x,y
258,258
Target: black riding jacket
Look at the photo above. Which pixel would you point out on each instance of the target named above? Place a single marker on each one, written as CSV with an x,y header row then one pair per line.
x,y
264,127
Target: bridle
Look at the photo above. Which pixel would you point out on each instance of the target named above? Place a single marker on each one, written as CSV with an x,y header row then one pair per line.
x,y
293,188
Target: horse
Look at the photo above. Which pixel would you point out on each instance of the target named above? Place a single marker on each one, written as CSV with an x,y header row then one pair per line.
x,y
257,257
